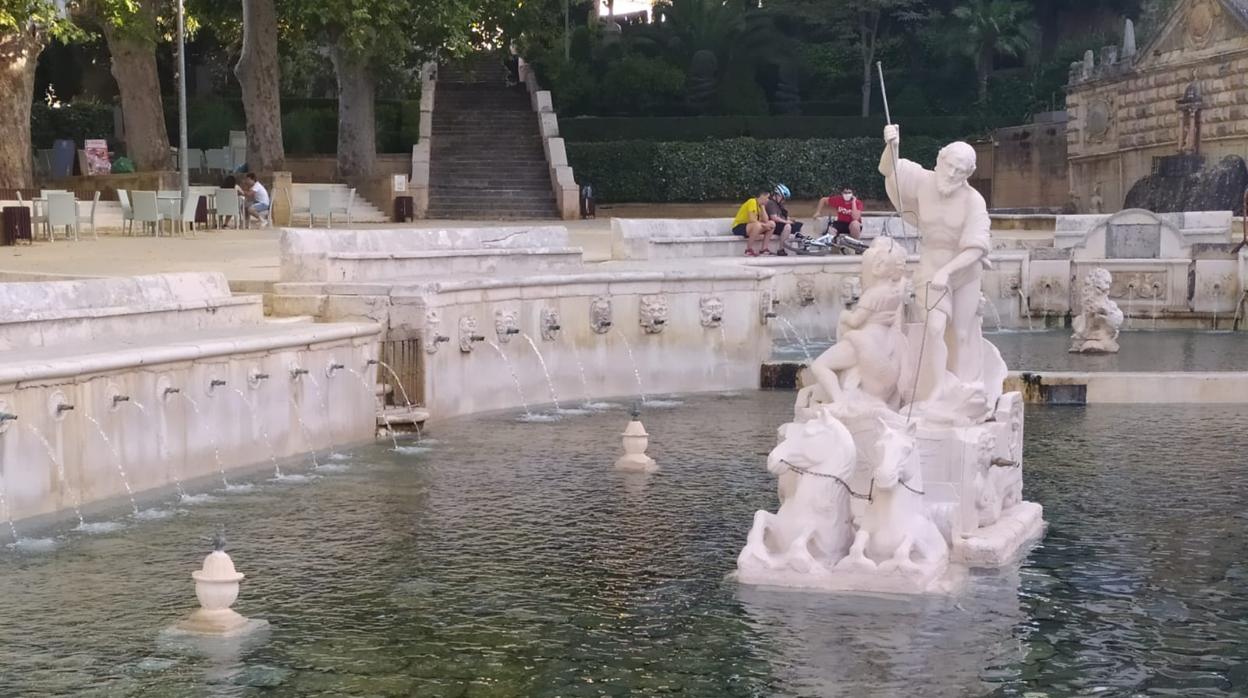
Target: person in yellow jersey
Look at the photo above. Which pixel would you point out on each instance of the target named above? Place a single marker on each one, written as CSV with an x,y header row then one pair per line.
x,y
752,223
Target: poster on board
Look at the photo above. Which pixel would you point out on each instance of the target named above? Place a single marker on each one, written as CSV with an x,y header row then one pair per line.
x,y
97,156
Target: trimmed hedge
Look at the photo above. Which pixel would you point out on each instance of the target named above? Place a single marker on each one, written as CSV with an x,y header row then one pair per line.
x,y
78,121
731,169
697,128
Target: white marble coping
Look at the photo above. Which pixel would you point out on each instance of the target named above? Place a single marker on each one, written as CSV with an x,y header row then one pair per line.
x,y
486,252
1138,387
51,314
19,366
28,301
695,238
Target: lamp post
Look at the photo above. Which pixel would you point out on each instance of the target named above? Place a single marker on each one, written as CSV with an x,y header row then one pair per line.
x,y
184,168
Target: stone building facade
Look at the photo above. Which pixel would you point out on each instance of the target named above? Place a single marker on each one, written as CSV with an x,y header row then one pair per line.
x,y
1127,107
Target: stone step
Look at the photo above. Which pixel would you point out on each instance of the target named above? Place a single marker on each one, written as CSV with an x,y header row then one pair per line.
x,y
486,182
492,197
492,214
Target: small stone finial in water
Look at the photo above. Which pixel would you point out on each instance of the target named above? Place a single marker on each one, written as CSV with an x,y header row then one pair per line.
x,y
636,440
216,587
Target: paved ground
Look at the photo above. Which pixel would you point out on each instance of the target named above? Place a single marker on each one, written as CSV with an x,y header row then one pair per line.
x,y
252,255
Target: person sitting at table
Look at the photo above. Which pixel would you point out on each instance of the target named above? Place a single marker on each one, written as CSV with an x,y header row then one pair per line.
x,y
257,199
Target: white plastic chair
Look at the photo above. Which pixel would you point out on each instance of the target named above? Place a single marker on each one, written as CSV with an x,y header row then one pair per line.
x,y
90,218
146,210
228,205
214,160
62,213
320,203
343,210
195,160
127,213
38,219
187,219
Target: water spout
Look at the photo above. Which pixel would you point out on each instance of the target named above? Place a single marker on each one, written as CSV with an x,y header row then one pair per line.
x,y
216,383
658,321
440,339
260,376
6,417
296,372
63,408
476,338
118,399
172,391
512,330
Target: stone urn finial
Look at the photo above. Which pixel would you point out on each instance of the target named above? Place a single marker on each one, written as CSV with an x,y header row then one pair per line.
x,y
636,440
216,587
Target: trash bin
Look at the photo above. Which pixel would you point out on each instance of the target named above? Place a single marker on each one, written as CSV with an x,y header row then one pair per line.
x,y
587,201
404,209
14,225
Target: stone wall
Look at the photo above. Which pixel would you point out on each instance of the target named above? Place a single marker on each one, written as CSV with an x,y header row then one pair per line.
x,y
1122,103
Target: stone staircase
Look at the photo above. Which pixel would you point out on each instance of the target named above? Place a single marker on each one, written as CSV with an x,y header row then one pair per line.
x,y
486,161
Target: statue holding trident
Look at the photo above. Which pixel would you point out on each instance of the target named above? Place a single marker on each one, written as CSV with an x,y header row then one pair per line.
x,y
953,224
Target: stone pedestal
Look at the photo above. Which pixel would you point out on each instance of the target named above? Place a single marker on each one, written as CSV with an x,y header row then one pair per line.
x,y
280,195
636,440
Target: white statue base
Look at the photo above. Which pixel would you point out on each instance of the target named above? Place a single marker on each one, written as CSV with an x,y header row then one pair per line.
x,y
1004,542
226,623
216,587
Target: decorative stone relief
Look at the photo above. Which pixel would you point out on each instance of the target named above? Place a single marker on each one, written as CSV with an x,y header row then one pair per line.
x,y
653,315
432,335
506,324
851,291
805,291
600,314
550,324
1010,286
1047,291
468,333
1099,120
1218,287
1135,286
988,498
711,309
766,307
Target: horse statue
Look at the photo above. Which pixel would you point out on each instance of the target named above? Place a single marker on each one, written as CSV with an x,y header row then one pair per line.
x,y
896,525
812,528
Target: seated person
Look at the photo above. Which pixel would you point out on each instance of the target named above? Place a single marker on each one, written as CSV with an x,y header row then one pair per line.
x,y
848,209
257,199
751,223
779,216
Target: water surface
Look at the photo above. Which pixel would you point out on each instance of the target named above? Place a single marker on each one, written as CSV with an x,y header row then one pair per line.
x,y
509,559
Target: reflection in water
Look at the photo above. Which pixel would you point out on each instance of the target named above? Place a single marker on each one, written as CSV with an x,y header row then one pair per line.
x,y
511,559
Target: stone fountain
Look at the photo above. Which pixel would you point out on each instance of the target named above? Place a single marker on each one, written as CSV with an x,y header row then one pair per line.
x,y
1096,326
903,464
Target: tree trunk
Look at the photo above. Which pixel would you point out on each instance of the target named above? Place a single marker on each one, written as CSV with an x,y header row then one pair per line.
x,y
20,52
357,127
133,51
258,74
868,28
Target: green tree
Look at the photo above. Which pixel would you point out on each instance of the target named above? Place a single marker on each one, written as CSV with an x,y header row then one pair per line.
x,y
131,30
362,38
25,26
982,29
871,20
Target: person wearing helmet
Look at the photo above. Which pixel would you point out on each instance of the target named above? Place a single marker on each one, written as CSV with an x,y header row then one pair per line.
x,y
779,216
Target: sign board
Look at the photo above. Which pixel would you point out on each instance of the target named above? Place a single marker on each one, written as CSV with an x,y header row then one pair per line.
x,y
97,156
400,183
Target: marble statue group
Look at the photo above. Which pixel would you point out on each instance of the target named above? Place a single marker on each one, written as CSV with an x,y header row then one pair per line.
x,y
903,463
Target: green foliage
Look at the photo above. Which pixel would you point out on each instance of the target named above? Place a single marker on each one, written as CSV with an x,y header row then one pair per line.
x,y
688,128
310,130
208,122
727,170
41,16
77,122
123,165
641,85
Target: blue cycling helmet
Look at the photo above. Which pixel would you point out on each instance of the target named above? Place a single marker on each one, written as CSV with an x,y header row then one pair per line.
x,y
783,191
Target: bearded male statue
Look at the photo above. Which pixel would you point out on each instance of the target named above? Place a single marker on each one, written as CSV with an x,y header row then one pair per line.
x,y
953,224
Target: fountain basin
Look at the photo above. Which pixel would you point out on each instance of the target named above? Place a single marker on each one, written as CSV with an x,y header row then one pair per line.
x,y
91,352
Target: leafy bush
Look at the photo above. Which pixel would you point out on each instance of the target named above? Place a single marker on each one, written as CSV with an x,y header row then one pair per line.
x,y
727,170
77,122
637,84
